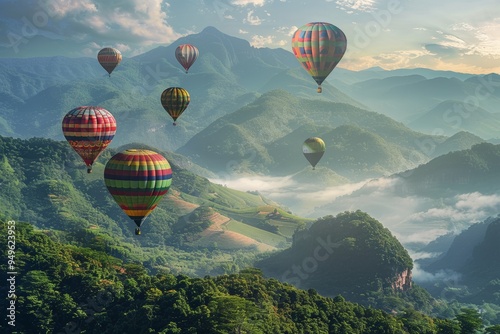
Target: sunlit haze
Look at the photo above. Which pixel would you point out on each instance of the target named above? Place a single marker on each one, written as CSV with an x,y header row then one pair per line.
x,y
457,35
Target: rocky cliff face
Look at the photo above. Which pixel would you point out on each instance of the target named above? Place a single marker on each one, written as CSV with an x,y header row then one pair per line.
x,y
402,281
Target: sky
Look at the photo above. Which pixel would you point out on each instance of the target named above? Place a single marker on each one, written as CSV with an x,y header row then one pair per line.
x,y
457,35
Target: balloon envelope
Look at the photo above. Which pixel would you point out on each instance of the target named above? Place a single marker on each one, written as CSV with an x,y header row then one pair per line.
x,y
175,100
89,130
138,179
186,55
319,46
109,58
313,149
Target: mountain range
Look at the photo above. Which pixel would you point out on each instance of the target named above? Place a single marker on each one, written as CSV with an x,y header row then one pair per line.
x,y
266,136
425,136
200,228
466,265
414,97
228,75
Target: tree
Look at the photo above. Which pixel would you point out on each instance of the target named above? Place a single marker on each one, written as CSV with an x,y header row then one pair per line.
x,y
416,322
493,329
233,314
470,320
445,326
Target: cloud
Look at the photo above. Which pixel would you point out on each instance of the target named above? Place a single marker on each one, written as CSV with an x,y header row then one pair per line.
x,y
359,5
259,41
467,40
413,220
441,50
461,209
256,3
447,45
256,183
253,20
421,276
140,23
302,197
289,31
487,39
139,19
388,60
463,26
476,201
454,42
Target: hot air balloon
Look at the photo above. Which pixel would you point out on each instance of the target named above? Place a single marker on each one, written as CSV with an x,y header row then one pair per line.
x,y
186,55
89,130
109,58
319,46
175,100
137,179
313,149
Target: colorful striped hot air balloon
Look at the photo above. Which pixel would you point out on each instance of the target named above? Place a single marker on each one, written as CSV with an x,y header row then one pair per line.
x,y
175,100
109,58
313,149
89,130
137,179
319,46
186,55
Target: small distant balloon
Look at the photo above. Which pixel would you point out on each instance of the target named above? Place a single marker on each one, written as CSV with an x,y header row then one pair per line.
x,y
319,47
109,58
175,100
89,130
186,55
313,149
138,179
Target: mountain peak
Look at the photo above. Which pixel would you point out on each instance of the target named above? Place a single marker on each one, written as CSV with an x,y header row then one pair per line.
x,y
211,30
375,69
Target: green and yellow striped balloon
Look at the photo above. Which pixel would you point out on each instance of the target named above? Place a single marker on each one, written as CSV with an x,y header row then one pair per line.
x,y
175,100
138,179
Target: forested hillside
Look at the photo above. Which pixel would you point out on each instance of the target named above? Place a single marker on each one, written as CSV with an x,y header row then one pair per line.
x,y
62,288
215,228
